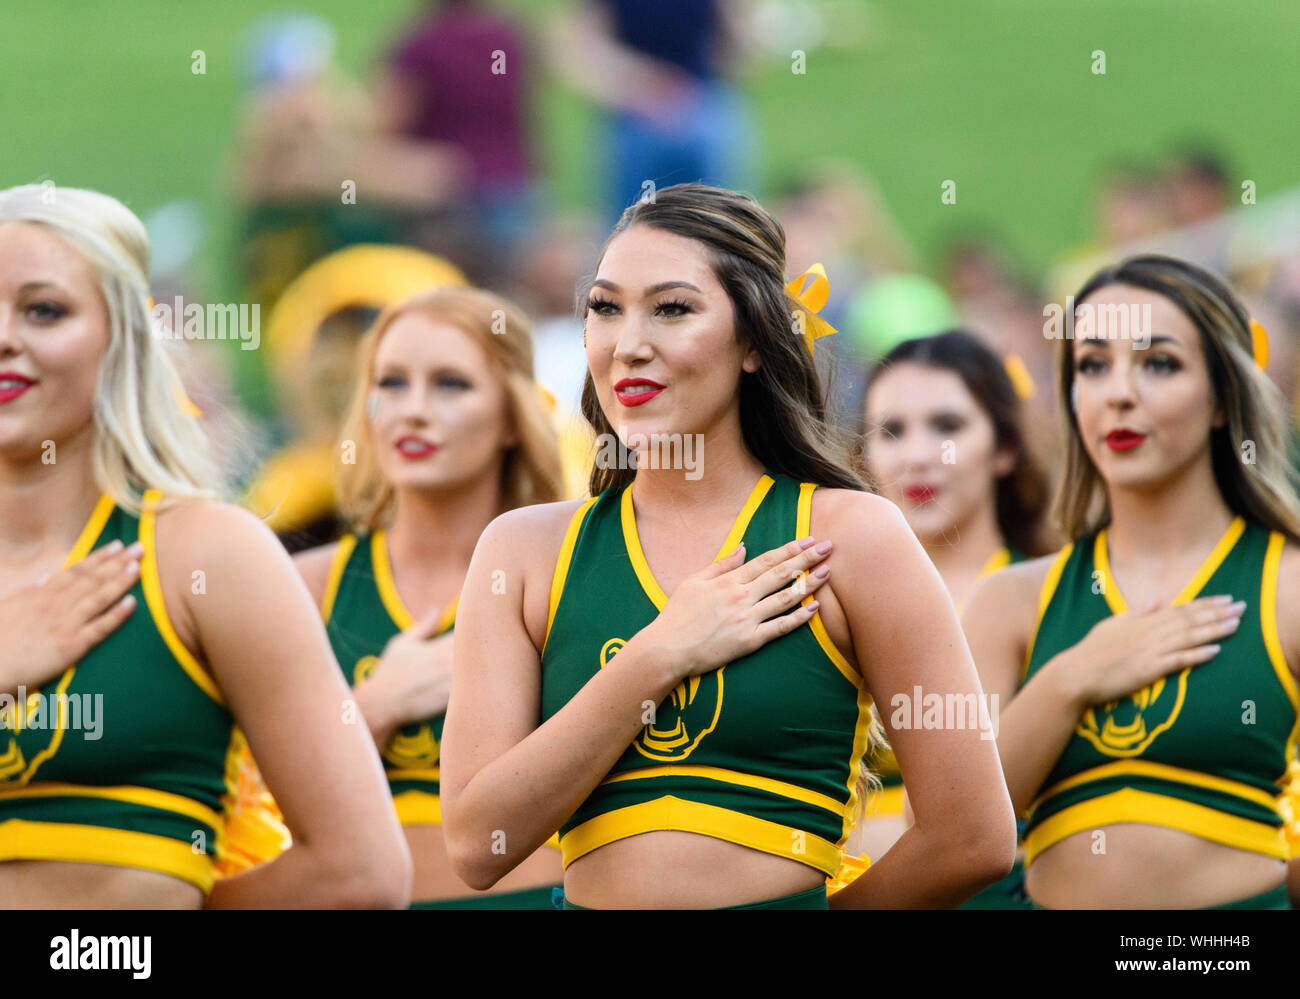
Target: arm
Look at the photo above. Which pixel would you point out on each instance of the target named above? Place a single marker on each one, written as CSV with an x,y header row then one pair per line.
x,y
502,774
298,716
1035,723
905,635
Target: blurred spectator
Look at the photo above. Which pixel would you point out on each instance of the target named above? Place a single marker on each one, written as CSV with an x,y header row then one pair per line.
x,y
460,76
310,168
661,71
552,263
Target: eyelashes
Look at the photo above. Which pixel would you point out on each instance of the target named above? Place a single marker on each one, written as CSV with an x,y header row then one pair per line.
x,y
596,304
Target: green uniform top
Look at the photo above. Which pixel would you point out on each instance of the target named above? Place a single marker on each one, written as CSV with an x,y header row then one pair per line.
x,y
362,611
1203,750
126,757
762,751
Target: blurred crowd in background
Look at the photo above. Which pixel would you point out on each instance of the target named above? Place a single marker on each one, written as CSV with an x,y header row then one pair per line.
x,y
440,153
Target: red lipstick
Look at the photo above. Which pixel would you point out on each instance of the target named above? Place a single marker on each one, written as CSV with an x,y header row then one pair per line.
x,y
920,494
1124,440
414,448
630,394
12,385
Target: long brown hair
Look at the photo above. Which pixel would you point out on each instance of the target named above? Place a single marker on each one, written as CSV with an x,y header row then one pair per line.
x,y
1021,495
1262,490
782,404
531,472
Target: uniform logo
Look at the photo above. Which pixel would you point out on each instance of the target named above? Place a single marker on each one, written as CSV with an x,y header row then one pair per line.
x,y
28,740
412,747
688,714
1128,726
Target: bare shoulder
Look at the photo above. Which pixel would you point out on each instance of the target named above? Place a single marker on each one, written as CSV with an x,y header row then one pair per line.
x,y
1017,587
214,532
314,566
858,520
529,538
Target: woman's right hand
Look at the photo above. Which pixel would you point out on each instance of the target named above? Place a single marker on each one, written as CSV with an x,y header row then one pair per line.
x,y
721,612
1126,652
47,627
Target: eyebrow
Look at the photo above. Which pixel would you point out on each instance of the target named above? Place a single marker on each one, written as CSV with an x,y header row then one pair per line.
x,y
654,289
1090,341
33,285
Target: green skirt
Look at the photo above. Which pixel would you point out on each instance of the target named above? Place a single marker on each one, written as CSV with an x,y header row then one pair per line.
x,y
813,898
1274,898
542,897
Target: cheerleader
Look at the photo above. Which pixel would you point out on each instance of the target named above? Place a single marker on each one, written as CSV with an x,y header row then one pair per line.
x,y
1148,669
944,441
118,737
447,430
694,729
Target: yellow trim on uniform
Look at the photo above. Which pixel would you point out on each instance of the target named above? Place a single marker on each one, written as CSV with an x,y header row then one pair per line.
x,y
430,773
633,540
341,555
418,808
562,565
385,583
1145,808
1050,582
153,596
887,801
803,524
60,726
23,840
1110,589
1145,768
1272,642
670,813
768,784
861,736
146,796
1000,559
91,532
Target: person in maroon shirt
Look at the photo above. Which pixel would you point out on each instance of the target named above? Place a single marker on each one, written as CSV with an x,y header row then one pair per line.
x,y
460,76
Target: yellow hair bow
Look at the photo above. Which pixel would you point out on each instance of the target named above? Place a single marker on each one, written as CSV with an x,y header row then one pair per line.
x,y
1021,379
548,398
1259,343
812,298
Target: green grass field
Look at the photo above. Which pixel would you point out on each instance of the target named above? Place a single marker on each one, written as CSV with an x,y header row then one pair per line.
x,y
995,94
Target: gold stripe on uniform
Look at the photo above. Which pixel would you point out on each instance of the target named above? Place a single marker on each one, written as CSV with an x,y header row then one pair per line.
x,y
1268,622
734,777
153,596
1045,595
1130,805
146,796
23,840
562,564
341,556
675,814
1146,768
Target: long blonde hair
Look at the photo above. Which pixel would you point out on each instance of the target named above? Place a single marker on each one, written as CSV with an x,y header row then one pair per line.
x,y
531,472
145,438
1262,490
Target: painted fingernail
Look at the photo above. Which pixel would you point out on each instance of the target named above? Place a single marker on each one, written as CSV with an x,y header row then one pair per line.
x,y
805,542
1238,607
812,606
822,571
114,546
823,548
132,568
136,550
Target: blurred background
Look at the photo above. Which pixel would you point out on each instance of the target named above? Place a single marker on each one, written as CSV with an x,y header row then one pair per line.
x,y
954,161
